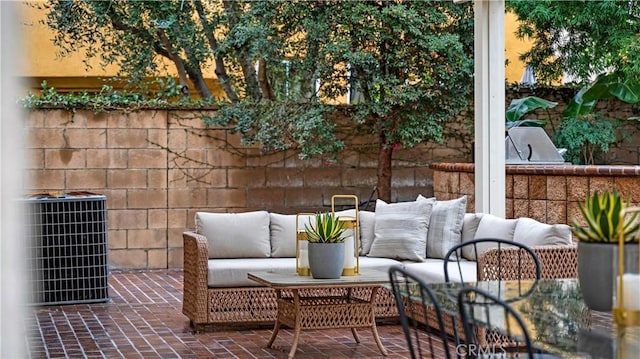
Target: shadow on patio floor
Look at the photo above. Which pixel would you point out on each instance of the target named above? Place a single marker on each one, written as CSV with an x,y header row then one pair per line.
x,y
143,319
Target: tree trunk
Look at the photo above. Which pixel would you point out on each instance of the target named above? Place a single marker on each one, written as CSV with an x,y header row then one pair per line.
x,y
198,82
385,152
263,80
177,60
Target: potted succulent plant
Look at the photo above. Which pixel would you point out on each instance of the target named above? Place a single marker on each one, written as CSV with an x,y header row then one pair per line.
x,y
597,246
325,233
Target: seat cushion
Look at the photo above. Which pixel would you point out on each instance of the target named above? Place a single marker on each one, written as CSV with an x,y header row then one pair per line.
x,y
224,273
432,270
382,264
235,235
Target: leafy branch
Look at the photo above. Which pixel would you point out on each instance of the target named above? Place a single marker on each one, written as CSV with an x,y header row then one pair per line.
x,y
166,94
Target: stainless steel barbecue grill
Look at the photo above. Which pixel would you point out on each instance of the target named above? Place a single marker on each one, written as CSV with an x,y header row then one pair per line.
x,y
531,145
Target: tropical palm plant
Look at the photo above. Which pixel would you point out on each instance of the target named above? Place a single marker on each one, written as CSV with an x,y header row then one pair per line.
x,y
519,108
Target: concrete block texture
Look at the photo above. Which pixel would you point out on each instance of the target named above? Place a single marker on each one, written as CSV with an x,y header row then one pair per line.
x,y
158,167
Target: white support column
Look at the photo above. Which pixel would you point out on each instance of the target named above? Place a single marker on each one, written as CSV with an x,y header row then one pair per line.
x,y
489,103
12,254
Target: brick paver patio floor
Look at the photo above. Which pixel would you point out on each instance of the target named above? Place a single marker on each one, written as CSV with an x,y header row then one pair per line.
x,y
143,319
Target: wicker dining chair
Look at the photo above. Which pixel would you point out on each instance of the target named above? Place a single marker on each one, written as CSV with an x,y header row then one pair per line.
x,y
420,315
480,309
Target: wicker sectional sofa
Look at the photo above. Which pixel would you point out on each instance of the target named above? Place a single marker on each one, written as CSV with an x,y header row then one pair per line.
x,y
224,247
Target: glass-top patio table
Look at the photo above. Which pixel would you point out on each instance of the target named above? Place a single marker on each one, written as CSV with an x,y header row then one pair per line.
x,y
308,303
557,318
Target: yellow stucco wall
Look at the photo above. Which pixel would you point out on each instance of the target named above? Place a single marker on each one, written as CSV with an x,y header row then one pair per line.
x,y
514,47
41,54
69,73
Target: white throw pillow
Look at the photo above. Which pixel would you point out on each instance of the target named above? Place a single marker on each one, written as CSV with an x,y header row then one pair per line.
x,y
367,231
470,225
235,235
283,233
490,226
533,233
445,226
401,229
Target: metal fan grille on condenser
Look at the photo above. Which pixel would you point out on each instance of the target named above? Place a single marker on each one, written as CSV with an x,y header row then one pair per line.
x,y
67,249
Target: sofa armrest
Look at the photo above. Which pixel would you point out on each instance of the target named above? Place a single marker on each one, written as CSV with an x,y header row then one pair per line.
x,y
556,261
195,301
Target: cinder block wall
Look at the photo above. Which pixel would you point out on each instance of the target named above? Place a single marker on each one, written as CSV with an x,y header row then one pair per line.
x,y
158,167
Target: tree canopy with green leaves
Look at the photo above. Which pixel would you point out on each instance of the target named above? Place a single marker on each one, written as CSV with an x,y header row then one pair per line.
x,y
283,65
581,38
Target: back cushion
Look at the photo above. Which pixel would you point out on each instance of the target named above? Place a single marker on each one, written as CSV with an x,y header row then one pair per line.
x,y
235,235
533,233
283,233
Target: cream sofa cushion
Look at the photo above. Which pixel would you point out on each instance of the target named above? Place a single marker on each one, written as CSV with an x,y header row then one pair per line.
x,y
531,233
228,273
432,270
401,229
283,233
375,263
235,235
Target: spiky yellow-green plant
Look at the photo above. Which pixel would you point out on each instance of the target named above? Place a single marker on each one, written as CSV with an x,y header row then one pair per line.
x,y
327,229
602,214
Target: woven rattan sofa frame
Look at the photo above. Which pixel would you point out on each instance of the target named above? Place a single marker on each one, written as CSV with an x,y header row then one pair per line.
x,y
555,261
205,306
